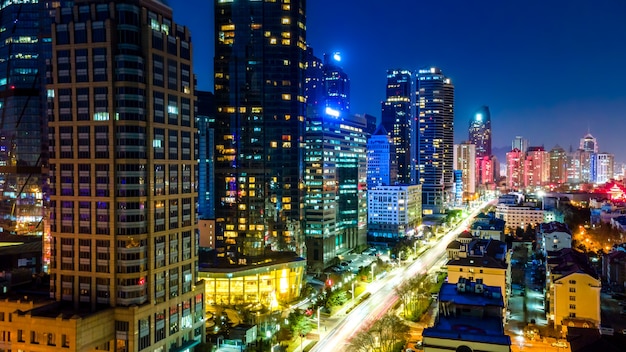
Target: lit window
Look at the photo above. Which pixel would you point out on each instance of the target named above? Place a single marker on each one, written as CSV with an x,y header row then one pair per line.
x,y
286,96
286,20
101,116
273,41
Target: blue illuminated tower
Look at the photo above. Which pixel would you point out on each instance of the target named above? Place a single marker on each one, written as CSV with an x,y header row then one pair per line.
x,y
480,131
398,115
435,94
336,84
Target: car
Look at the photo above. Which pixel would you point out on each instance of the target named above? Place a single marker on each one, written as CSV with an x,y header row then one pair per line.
x,y
409,350
560,344
419,345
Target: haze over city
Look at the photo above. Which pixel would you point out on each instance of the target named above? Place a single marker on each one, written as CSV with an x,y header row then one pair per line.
x,y
539,66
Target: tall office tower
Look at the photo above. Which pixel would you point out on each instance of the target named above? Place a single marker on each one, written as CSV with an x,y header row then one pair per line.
x,y
435,94
26,44
558,165
336,84
480,131
122,175
335,201
520,143
602,167
515,169
382,169
259,133
574,167
205,121
398,116
589,143
536,167
465,161
372,125
314,89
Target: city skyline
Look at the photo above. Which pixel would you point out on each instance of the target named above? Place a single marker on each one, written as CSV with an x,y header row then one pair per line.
x,y
489,46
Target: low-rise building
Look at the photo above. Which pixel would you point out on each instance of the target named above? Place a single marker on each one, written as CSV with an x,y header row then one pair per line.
x,y
573,291
470,318
488,228
554,236
486,260
519,216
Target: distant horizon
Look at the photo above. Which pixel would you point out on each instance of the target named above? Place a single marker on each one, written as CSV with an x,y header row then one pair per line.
x,y
550,82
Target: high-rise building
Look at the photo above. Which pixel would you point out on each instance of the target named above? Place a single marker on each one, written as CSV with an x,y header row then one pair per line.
x,y
336,85
520,143
259,132
314,88
487,170
26,46
382,169
515,169
435,94
558,165
398,115
480,131
602,167
335,201
465,161
589,143
205,121
122,175
536,167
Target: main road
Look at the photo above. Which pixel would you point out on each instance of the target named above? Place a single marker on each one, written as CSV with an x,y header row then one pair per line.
x,y
383,295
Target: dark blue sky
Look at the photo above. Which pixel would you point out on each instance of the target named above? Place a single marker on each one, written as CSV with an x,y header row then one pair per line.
x,y
549,70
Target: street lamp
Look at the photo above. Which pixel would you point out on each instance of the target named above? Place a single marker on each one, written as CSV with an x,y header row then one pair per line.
x,y
373,266
415,249
353,291
319,331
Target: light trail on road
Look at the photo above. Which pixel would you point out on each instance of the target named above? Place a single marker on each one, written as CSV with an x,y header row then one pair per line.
x,y
383,296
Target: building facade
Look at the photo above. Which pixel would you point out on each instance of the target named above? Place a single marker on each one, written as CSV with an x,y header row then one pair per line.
x,y
122,174
519,216
382,169
259,131
558,165
26,48
465,161
435,104
515,169
398,119
335,184
536,171
480,131
393,212
602,167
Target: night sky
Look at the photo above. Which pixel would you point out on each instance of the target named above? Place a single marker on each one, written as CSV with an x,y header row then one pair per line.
x,y
549,70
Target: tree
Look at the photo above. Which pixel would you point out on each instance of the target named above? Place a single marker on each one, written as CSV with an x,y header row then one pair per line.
x,y
336,298
300,325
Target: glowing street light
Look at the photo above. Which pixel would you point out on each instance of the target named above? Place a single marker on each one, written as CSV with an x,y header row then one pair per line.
x,y
373,266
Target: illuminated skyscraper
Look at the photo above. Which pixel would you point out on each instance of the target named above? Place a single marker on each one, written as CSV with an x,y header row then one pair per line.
x,y
465,162
602,167
335,208
259,133
26,45
398,119
589,143
520,143
536,170
435,94
558,165
515,169
381,162
336,84
480,131
122,176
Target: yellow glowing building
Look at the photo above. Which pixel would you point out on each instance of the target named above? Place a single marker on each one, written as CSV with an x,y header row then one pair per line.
x,y
267,284
573,297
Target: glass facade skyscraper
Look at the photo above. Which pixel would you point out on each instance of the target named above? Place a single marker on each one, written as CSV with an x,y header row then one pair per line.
x,y
26,44
480,131
435,95
398,118
259,132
